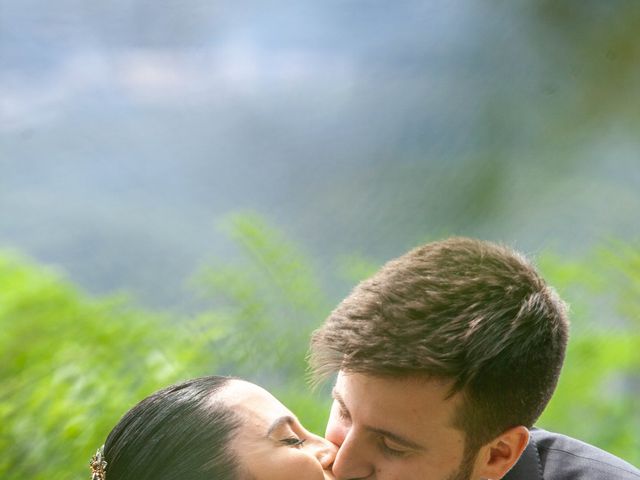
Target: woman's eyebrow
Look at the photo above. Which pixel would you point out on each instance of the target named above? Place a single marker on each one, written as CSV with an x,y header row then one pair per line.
x,y
278,422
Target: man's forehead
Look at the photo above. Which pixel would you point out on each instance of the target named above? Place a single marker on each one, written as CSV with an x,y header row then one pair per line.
x,y
411,399
395,381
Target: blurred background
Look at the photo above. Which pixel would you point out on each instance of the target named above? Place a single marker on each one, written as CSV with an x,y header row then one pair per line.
x,y
188,187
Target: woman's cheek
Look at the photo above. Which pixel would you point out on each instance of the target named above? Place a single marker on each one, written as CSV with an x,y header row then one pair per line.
x,y
305,466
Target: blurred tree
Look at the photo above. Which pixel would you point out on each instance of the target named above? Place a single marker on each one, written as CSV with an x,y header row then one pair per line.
x,y
592,49
597,397
267,308
70,366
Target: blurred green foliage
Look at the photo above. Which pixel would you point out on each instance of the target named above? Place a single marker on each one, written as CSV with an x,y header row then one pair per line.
x,y
268,306
71,365
597,397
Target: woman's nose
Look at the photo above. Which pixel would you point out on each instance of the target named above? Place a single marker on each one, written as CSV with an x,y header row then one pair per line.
x,y
325,451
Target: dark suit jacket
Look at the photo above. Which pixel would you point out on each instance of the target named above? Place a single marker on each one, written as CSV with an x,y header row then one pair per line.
x,y
550,456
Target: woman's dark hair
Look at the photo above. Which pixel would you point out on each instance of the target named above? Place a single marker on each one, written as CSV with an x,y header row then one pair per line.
x,y
178,433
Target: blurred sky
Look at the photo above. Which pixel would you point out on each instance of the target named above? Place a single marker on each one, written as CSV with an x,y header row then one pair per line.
x,y
130,128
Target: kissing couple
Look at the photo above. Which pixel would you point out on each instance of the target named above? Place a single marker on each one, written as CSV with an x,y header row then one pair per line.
x,y
443,362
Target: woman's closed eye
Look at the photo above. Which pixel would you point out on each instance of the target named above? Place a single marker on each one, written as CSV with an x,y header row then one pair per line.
x,y
293,442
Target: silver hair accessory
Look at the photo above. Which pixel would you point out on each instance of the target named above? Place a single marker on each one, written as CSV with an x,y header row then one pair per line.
x,y
98,465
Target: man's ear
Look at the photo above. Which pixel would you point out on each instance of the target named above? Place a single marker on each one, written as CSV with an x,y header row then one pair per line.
x,y
497,457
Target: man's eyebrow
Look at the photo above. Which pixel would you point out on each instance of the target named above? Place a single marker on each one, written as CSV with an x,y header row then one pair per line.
x,y
405,442
278,422
338,398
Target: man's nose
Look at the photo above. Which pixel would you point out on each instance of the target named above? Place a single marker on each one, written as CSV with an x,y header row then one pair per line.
x,y
352,462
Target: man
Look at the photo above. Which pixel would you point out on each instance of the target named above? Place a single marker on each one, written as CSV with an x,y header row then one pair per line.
x,y
446,358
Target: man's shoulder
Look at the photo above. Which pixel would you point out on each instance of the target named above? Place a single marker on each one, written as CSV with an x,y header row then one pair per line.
x,y
552,456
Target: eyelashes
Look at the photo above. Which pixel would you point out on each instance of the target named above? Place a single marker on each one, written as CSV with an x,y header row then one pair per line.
x,y
293,442
345,418
387,450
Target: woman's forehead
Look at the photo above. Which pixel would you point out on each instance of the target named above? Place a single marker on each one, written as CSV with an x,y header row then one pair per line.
x,y
252,400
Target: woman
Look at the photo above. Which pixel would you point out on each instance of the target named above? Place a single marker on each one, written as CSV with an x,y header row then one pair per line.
x,y
212,428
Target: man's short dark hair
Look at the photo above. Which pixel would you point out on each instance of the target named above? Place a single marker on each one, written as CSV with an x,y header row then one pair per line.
x,y
468,311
